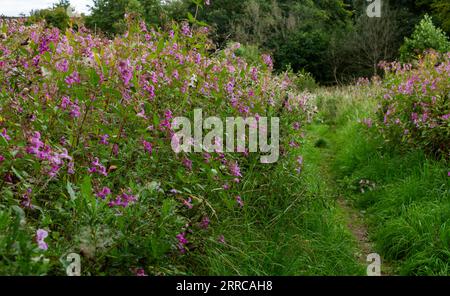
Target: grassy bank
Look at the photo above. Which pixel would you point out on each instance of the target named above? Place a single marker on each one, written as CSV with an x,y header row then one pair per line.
x,y
404,193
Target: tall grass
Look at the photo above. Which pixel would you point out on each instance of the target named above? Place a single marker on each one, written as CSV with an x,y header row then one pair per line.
x,y
408,209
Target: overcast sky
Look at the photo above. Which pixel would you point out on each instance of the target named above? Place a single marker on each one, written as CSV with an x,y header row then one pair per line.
x,y
15,7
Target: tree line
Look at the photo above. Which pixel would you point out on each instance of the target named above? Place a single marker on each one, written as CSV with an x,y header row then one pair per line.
x,y
334,40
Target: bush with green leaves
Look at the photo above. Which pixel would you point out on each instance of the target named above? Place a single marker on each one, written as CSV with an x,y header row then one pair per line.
x,y
86,129
425,36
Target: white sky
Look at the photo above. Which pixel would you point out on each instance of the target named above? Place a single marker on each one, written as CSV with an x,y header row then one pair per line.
x,y
15,7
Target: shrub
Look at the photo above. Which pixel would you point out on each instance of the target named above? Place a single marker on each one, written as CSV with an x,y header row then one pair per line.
x,y
85,144
425,36
415,109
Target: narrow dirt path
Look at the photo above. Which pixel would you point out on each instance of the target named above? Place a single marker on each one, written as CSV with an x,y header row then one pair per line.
x,y
354,218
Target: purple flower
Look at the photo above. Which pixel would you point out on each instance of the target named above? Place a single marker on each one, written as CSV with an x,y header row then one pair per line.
x,y
182,242
2,158
187,163
97,167
234,169
62,66
104,139
5,135
104,192
148,147
73,78
239,201
75,111
296,126
71,168
140,272
267,60
205,222
115,149
26,199
221,239
123,200
188,203
126,71
41,234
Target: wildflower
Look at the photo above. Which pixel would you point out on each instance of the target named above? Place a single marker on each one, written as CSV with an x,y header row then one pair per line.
x,y
187,163
115,149
41,234
65,102
75,111
70,168
123,200
267,60
205,222
221,239
296,126
4,134
188,203
239,201
26,199
182,242
97,167
104,192
35,144
207,2
62,66
2,158
234,169
73,78
148,147
140,272
186,30
104,139
126,71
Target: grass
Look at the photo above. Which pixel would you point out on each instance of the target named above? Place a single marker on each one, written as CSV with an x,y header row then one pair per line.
x,y
408,209
296,230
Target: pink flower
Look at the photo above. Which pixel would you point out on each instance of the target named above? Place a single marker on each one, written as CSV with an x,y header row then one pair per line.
x,y
205,222
234,169
187,163
73,78
148,147
41,234
188,203
140,272
123,200
97,167
207,2
221,239
126,71
26,199
239,201
4,134
104,139
182,242
62,66
2,158
104,192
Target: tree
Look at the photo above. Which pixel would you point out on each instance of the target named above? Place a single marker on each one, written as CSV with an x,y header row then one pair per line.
x,y
425,36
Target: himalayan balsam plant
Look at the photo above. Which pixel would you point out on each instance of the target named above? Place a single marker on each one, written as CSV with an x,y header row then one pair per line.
x,y
85,154
415,109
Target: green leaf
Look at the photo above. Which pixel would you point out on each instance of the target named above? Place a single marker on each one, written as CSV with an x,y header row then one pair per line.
x,y
71,191
86,187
